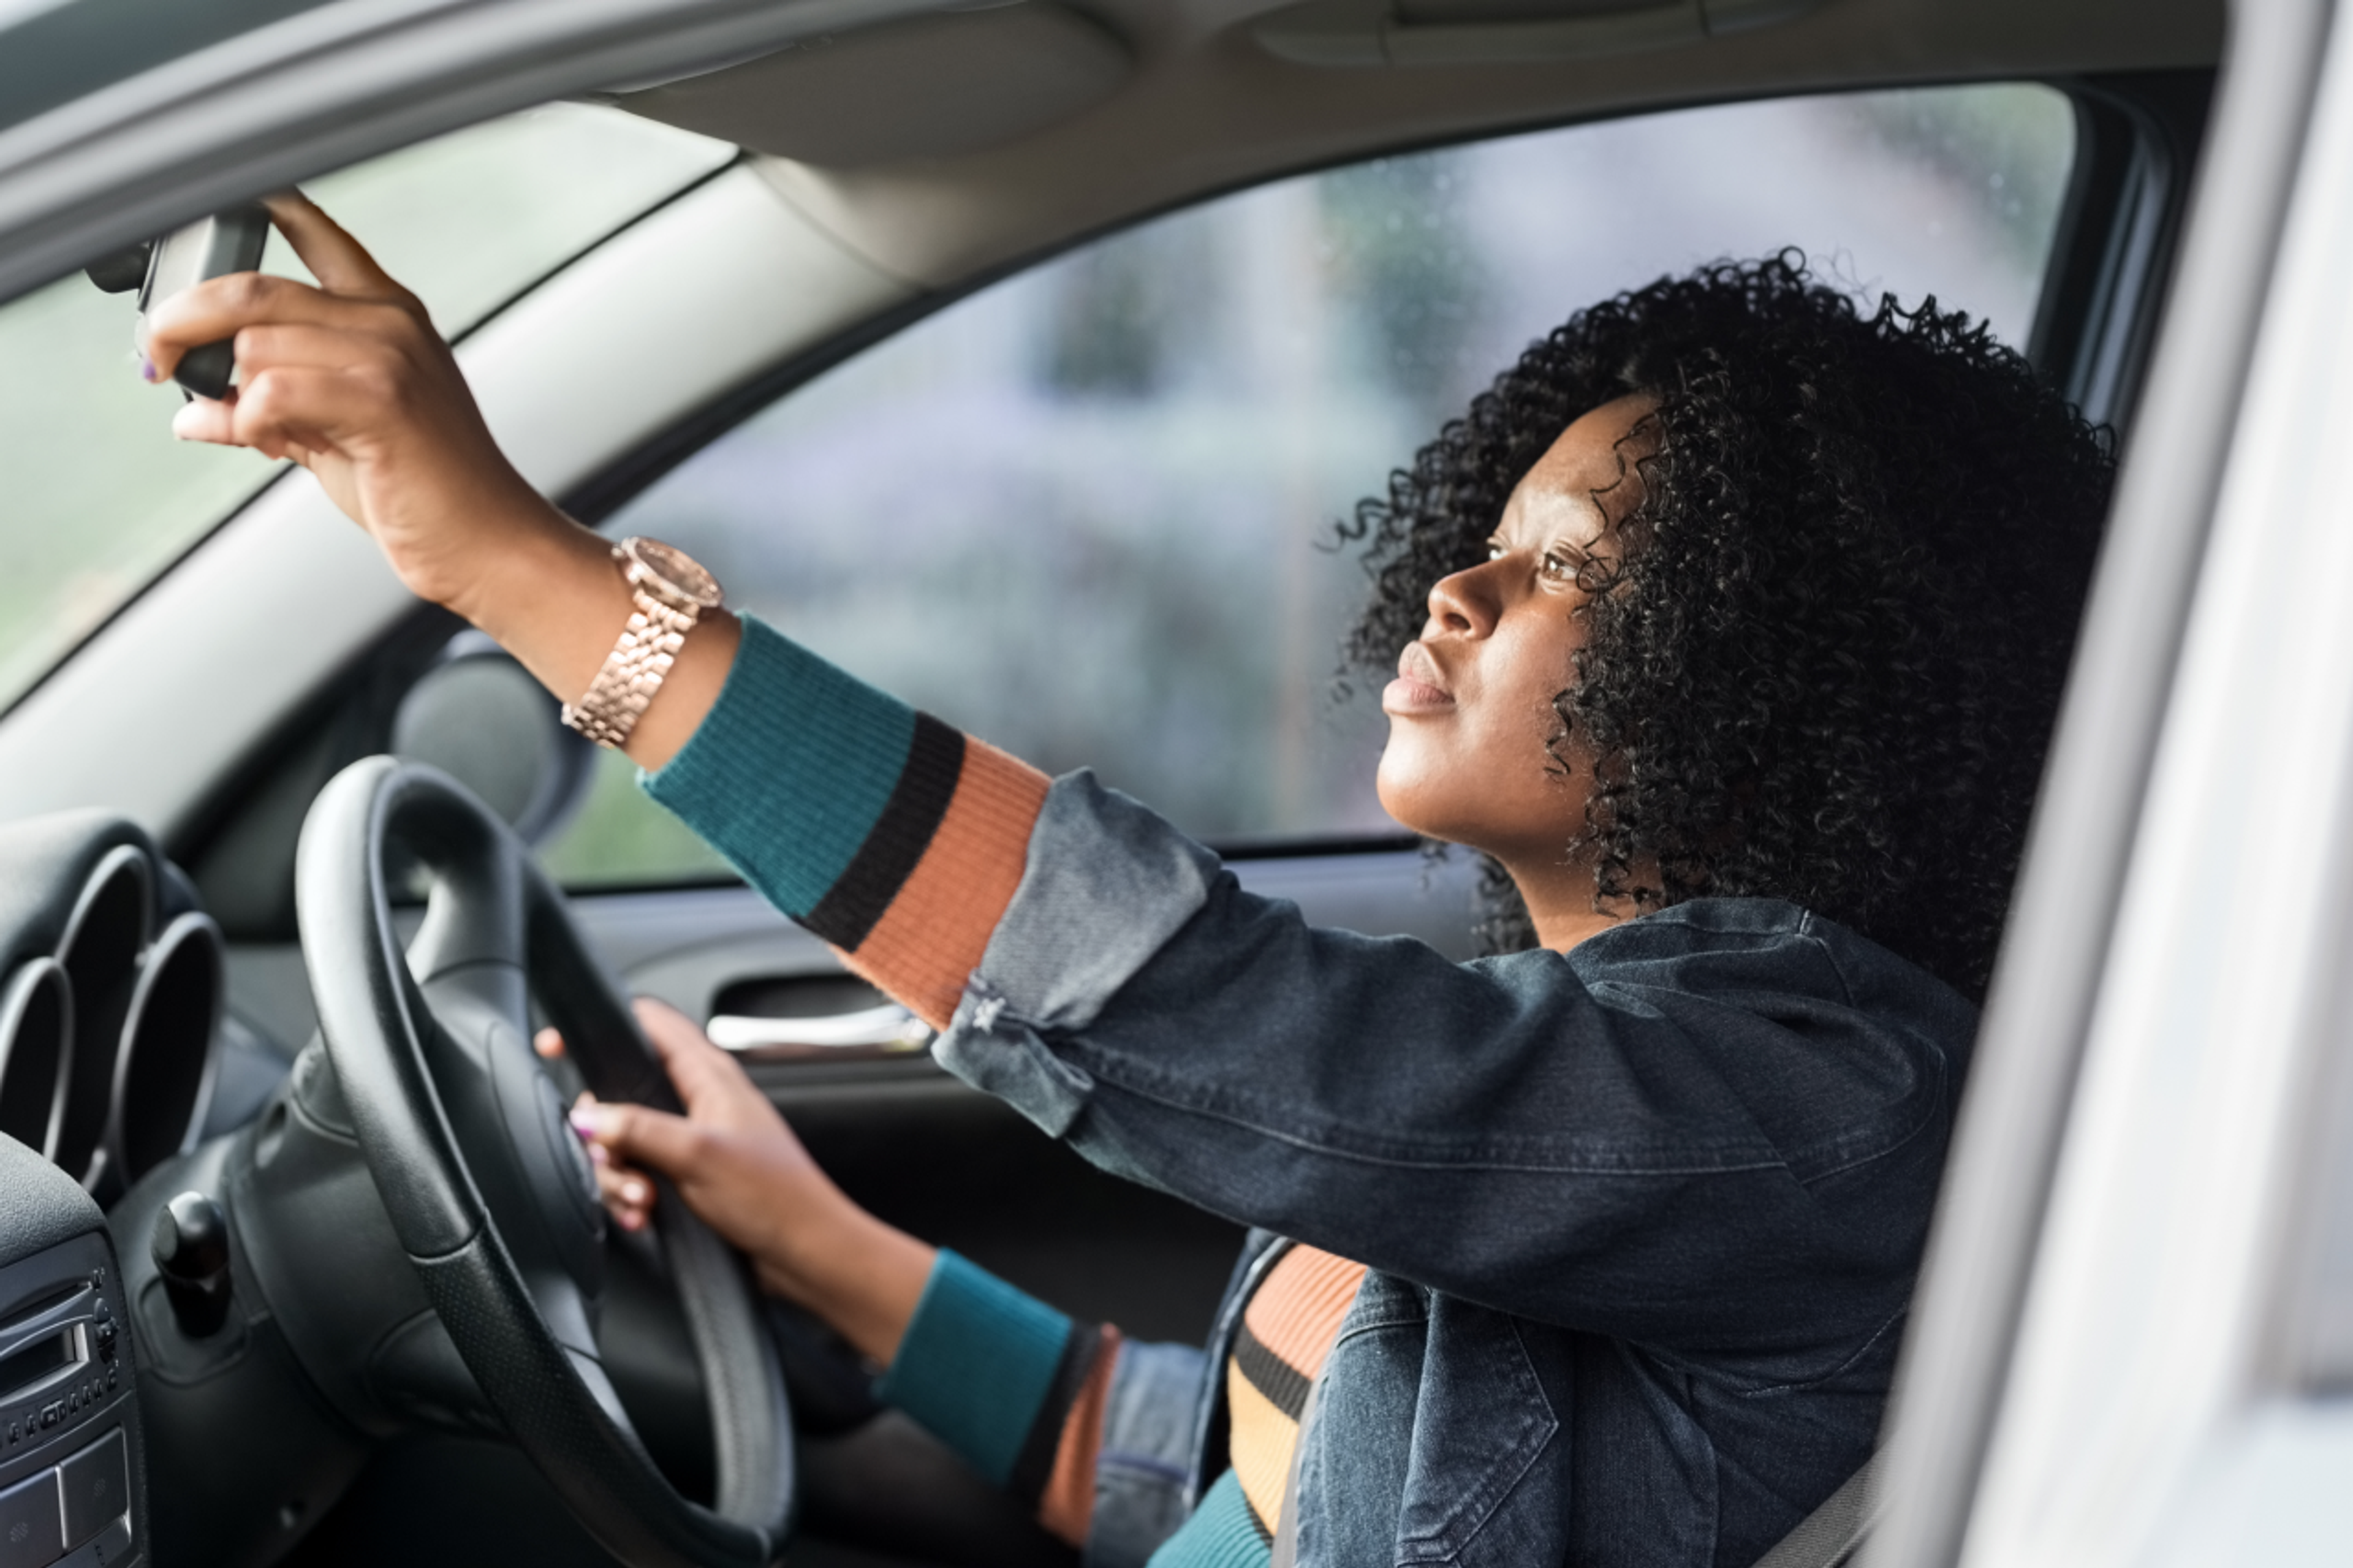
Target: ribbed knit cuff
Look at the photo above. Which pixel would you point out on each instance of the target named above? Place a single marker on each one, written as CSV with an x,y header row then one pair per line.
x,y
1222,1534
978,1364
788,773
889,833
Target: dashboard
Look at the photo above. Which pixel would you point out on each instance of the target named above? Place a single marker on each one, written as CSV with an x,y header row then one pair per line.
x,y
71,1459
112,983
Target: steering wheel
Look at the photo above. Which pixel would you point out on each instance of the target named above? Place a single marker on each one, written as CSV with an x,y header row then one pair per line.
x,y
485,1183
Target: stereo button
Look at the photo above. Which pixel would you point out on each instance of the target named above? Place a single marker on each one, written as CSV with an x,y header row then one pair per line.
x,y
30,1533
97,1483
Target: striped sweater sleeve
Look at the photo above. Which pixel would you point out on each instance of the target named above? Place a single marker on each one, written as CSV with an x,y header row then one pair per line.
x,y
901,841
890,834
1017,1389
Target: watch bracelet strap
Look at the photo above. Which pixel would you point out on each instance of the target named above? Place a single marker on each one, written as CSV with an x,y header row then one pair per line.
x,y
632,672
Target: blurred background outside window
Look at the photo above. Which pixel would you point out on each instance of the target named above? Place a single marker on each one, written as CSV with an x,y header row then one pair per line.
x,y
1088,513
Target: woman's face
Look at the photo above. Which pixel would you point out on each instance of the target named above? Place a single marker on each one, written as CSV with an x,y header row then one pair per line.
x,y
1472,707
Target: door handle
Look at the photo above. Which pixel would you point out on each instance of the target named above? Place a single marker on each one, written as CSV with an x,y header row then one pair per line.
x,y
887,1030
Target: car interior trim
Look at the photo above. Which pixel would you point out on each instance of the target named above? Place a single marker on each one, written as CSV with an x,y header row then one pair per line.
x,y
333,84
165,1066
112,917
2045,988
1359,32
36,1054
2150,1361
925,87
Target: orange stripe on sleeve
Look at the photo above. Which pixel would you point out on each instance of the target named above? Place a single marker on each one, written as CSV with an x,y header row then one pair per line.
x,y
931,938
1067,1506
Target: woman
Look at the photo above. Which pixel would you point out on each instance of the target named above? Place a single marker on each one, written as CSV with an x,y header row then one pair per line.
x,y
1732,623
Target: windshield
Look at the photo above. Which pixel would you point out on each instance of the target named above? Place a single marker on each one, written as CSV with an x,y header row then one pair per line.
x,y
95,501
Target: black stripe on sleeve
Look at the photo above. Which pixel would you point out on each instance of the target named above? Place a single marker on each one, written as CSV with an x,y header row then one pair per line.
x,y
927,782
1035,1464
1284,1386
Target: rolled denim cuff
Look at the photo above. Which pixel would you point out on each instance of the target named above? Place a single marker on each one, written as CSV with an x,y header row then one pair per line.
x,y
1108,882
1143,1463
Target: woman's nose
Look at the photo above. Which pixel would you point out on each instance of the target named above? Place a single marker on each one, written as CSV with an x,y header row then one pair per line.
x,y
1464,603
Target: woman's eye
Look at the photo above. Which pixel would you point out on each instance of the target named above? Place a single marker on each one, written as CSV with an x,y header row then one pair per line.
x,y
1559,568
1496,552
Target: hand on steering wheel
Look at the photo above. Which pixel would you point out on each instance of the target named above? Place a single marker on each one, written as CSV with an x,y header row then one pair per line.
x,y
732,1157
739,1167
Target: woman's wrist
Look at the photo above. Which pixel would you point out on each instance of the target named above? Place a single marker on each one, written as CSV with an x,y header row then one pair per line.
x,y
862,1276
550,592
544,588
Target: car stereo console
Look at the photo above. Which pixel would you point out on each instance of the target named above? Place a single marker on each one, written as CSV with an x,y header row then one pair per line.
x,y
71,1469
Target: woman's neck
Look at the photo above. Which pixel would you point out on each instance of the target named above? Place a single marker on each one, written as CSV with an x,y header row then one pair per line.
x,y
1561,903
1563,930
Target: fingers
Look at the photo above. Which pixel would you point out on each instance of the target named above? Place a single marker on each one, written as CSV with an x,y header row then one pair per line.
x,y
628,1196
202,419
699,1069
299,344
549,1044
634,1135
223,307
620,1136
671,1031
275,414
341,263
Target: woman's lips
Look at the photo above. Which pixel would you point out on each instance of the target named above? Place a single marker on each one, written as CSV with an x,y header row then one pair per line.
x,y
1417,689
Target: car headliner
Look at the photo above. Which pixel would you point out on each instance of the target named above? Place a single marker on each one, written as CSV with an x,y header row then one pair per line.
x,y
1184,98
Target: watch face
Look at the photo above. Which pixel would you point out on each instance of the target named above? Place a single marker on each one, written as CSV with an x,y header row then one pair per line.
x,y
680,572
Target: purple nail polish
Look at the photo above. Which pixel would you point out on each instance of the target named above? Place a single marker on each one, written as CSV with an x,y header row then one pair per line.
x,y
583,1123
146,369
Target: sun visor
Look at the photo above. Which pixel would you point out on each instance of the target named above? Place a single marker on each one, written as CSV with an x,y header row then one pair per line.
x,y
933,87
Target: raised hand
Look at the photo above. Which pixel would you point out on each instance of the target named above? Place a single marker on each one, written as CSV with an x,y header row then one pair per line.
x,y
349,380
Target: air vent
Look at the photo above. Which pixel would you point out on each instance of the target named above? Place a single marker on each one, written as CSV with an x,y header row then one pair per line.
x,y
104,937
163,1070
36,1052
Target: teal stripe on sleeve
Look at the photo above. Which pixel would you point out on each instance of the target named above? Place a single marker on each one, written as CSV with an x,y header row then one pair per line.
x,y
1221,1533
788,772
976,1364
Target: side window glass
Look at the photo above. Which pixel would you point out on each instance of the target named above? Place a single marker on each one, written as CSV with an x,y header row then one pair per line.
x,y
1087,513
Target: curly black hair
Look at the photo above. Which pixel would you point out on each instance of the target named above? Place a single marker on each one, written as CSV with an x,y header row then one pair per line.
x,y
1829,666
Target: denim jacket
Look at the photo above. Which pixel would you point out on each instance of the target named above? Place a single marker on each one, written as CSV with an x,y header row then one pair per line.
x,y
1642,1218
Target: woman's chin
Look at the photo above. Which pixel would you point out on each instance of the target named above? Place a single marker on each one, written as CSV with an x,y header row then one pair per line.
x,y
1408,792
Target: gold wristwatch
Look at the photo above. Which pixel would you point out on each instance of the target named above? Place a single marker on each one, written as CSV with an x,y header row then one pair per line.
x,y
672,590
